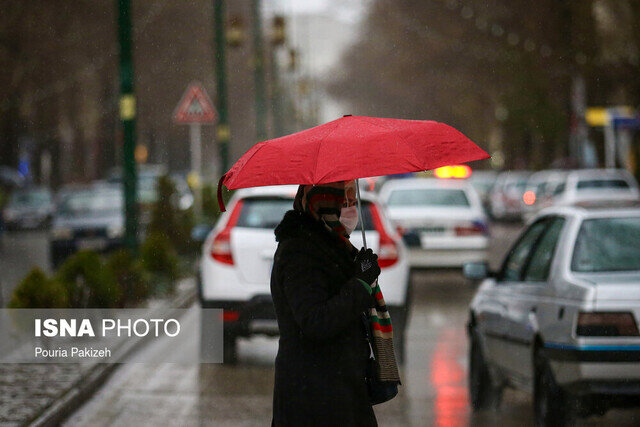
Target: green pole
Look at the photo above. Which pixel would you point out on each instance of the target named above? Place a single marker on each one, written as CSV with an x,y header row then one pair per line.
x,y
276,105
258,73
223,134
128,119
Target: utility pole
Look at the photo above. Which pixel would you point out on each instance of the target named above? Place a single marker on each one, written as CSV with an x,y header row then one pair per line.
x,y
276,104
223,133
128,120
278,38
258,73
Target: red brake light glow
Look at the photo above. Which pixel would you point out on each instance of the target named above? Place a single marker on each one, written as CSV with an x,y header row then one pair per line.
x,y
221,247
230,316
388,250
529,197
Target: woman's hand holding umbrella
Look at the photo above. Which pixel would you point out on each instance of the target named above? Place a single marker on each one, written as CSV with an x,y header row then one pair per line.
x,y
367,264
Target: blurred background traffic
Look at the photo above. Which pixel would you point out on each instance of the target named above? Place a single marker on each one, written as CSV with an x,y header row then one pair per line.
x,y
118,117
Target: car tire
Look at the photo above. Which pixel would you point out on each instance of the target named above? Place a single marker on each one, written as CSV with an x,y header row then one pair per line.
x,y
551,404
483,392
230,348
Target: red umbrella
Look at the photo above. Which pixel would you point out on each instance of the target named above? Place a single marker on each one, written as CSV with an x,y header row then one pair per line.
x,y
348,148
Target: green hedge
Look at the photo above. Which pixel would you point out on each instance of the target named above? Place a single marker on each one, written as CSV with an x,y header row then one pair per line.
x,y
168,220
38,291
130,276
160,259
88,282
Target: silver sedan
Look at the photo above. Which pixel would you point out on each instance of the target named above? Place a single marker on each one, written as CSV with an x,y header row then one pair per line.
x,y
560,318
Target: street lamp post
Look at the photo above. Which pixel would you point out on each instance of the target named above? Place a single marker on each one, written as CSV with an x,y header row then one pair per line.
x,y
223,134
258,73
128,120
278,38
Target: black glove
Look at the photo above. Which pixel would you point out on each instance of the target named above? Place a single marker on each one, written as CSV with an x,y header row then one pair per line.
x,y
367,268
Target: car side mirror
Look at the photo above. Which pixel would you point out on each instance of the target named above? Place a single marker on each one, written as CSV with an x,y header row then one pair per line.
x,y
476,270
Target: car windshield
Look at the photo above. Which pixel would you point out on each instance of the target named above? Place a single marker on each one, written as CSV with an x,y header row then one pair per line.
x,y
30,198
516,186
608,244
91,202
267,212
428,197
598,184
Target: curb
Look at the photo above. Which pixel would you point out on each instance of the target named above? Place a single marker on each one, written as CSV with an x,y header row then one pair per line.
x,y
84,388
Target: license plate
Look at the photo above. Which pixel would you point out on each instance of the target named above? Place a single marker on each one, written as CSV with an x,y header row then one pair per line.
x,y
92,244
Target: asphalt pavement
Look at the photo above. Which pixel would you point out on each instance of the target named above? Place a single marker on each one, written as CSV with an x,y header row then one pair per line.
x,y
434,377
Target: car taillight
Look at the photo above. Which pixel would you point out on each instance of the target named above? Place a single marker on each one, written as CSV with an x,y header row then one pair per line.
x,y
230,315
471,229
388,249
529,197
221,246
606,324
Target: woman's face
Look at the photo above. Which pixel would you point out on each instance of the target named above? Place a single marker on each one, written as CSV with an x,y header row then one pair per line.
x,y
349,193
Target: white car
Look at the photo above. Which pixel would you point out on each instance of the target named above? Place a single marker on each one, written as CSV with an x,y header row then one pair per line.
x,y
595,186
505,199
560,318
539,192
237,257
441,220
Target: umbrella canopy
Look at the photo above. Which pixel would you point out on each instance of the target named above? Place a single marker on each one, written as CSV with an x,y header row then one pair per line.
x,y
348,148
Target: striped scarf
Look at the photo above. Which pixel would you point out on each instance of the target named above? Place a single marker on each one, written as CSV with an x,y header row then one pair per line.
x,y
324,202
382,338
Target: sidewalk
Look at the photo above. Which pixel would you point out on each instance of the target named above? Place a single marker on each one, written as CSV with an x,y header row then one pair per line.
x,y
44,394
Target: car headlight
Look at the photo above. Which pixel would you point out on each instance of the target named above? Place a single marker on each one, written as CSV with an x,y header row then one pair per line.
x,y
115,231
62,233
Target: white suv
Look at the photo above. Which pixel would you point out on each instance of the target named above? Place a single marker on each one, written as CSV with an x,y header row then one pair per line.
x,y
237,257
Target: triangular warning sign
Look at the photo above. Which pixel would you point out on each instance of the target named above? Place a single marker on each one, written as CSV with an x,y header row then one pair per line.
x,y
195,106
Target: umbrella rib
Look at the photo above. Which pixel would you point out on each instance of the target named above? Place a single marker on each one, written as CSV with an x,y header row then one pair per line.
x,y
315,168
391,128
249,159
418,166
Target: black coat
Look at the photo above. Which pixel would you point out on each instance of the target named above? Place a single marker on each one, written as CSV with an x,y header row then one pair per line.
x,y
322,354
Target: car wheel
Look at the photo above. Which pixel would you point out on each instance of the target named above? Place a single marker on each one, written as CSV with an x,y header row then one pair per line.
x,y
483,392
550,403
230,349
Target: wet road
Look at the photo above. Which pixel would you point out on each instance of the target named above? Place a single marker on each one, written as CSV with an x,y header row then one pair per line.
x,y
434,376
20,251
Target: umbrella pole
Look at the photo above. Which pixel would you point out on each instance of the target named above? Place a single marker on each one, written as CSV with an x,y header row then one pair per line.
x,y
364,239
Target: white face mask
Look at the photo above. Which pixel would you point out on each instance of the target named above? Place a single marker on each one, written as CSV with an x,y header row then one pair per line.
x,y
349,218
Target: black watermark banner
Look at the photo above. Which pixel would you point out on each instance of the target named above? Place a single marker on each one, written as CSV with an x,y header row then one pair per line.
x,y
104,335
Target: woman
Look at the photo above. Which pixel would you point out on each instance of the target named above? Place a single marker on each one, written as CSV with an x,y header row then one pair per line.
x,y
319,285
